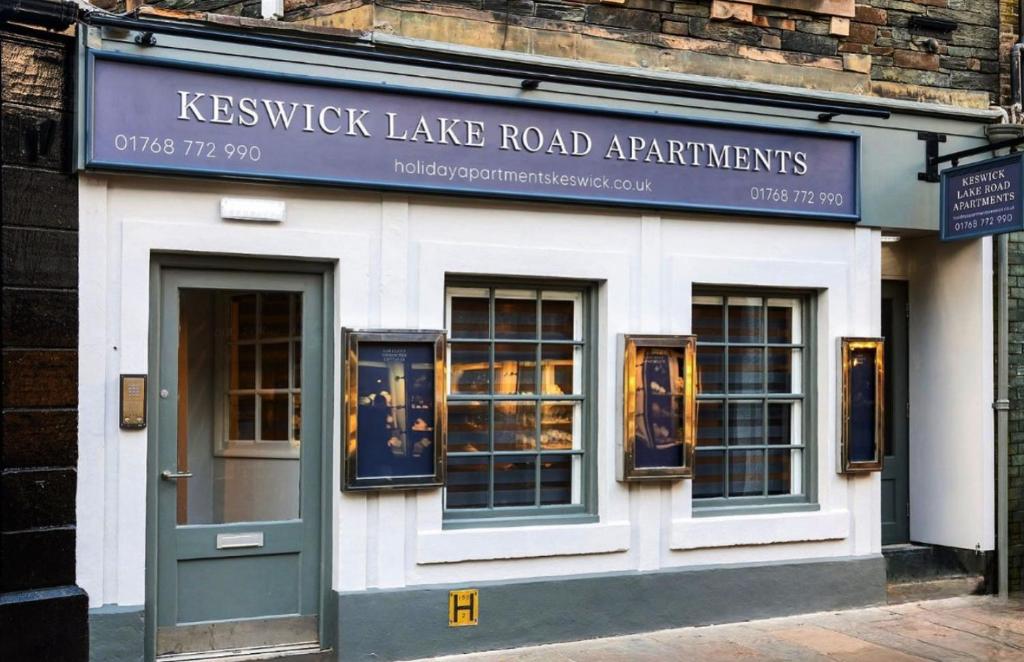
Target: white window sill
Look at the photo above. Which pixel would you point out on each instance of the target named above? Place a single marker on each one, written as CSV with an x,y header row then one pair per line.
x,y
521,542
766,529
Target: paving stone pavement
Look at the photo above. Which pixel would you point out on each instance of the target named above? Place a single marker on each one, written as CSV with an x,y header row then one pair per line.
x,y
963,628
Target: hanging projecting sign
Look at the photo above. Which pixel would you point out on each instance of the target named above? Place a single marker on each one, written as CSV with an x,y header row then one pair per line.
x,y
983,198
159,116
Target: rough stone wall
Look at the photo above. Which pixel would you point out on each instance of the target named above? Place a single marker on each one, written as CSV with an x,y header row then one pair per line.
x,y
42,613
871,47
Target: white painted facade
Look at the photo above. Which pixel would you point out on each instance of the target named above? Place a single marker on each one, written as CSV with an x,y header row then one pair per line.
x,y
390,255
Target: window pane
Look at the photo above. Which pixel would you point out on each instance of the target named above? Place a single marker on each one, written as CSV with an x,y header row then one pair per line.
x,y
557,425
468,427
708,470
243,367
274,424
783,423
710,370
515,481
470,370
515,368
297,364
560,369
467,482
556,479
515,318
296,315
709,322
515,426
275,320
558,319
746,423
710,431
243,316
784,370
780,475
274,365
745,320
746,370
746,473
297,418
784,321
470,317
242,417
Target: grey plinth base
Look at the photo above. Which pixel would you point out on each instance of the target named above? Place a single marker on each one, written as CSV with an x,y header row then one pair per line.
x,y
117,634
410,623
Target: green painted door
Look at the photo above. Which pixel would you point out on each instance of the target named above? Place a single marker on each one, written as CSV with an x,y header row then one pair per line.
x,y
238,461
895,474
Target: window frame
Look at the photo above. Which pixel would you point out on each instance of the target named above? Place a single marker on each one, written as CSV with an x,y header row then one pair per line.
x,y
585,511
760,504
258,448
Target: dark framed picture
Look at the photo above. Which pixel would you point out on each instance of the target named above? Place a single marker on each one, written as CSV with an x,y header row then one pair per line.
x,y
659,407
862,440
394,409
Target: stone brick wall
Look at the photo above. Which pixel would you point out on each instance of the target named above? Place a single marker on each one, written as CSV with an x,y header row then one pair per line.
x,y
871,47
1009,26
42,613
1016,369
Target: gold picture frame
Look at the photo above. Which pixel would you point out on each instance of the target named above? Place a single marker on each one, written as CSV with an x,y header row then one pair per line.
x,y
395,391
862,438
659,407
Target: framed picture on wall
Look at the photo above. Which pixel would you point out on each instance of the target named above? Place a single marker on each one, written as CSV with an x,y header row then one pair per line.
x,y
862,440
659,407
394,409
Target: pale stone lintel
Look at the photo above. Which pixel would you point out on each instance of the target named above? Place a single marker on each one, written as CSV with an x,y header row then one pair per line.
x,y
829,7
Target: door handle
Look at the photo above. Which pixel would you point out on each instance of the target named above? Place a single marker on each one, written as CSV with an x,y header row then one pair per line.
x,y
167,474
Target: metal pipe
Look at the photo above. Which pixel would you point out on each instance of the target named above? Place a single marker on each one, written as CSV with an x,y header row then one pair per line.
x,y
1015,93
539,73
51,14
1002,407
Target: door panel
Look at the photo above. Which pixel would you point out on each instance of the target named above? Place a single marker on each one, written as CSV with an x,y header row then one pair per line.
x,y
895,474
239,453
258,585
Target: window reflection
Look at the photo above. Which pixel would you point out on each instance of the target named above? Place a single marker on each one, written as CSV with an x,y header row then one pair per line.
x,y
750,382
515,398
515,368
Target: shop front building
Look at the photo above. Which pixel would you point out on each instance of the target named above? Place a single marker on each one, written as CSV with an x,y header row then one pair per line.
x,y
360,329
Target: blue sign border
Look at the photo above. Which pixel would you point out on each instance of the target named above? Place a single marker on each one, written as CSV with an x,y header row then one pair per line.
x,y
94,54
980,165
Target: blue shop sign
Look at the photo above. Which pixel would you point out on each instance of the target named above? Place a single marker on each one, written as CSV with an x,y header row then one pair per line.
x,y
171,117
983,199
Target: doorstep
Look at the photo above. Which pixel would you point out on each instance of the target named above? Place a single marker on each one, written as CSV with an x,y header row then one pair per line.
x,y
925,572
